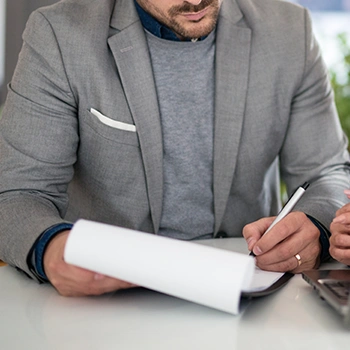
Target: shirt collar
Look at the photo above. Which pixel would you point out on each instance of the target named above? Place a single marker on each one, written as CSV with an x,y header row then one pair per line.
x,y
154,27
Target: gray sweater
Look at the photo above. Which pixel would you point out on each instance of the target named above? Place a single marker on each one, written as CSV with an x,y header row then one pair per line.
x,y
184,75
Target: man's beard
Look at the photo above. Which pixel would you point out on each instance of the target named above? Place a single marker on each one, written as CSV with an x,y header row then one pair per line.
x,y
197,31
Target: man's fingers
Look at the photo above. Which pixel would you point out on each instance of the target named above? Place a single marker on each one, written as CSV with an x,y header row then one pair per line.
x,y
71,280
344,210
342,255
292,245
83,284
75,281
340,239
343,219
291,226
253,232
295,262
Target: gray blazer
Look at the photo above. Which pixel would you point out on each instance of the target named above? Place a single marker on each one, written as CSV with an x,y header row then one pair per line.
x,y
274,114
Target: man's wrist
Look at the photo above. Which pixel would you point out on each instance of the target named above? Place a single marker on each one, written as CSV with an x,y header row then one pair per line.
x,y
324,239
36,257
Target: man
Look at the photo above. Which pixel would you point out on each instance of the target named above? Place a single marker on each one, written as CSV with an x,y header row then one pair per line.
x,y
340,229
170,117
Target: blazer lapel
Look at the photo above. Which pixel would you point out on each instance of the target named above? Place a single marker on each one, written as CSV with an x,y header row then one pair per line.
x,y
130,51
232,69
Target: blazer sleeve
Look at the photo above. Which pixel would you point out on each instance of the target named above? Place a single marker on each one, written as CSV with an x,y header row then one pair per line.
x,y
315,143
38,144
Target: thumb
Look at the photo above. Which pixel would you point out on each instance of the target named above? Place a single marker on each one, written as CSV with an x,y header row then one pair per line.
x,y
252,232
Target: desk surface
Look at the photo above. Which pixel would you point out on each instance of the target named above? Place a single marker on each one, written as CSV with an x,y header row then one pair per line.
x,y
34,316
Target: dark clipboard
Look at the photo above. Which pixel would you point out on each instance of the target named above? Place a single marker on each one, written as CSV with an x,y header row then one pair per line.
x,y
273,288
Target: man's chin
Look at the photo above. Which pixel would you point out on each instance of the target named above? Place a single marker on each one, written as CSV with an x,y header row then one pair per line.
x,y
196,30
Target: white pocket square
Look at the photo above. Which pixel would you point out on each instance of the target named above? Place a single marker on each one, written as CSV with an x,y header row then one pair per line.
x,y
113,123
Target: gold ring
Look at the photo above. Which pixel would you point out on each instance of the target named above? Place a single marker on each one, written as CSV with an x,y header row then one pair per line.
x,y
298,259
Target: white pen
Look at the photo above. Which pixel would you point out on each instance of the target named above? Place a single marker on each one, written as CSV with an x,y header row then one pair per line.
x,y
287,208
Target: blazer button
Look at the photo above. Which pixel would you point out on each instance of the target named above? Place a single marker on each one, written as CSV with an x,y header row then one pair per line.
x,y
221,234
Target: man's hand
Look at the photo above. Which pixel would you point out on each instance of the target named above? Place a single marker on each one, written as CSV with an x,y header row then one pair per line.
x,y
70,280
340,239
293,237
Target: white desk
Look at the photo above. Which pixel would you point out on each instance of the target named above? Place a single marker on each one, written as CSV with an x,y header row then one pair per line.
x,y
35,317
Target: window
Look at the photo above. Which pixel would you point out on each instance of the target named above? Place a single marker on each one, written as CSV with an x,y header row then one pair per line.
x,y
325,5
331,19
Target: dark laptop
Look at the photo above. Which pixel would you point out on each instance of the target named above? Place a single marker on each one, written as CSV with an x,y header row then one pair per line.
x,y
334,287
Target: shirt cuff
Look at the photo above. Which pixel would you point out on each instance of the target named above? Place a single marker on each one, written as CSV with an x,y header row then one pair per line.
x,y
324,239
37,255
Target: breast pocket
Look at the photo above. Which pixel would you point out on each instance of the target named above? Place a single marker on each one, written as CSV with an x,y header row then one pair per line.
x,y
111,129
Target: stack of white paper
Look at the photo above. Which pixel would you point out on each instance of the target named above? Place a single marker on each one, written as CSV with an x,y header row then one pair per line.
x,y
198,273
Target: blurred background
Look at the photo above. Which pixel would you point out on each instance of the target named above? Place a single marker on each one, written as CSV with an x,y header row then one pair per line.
x,y
13,17
331,19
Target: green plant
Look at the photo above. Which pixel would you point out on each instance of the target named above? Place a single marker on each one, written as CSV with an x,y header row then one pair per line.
x,y
341,83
